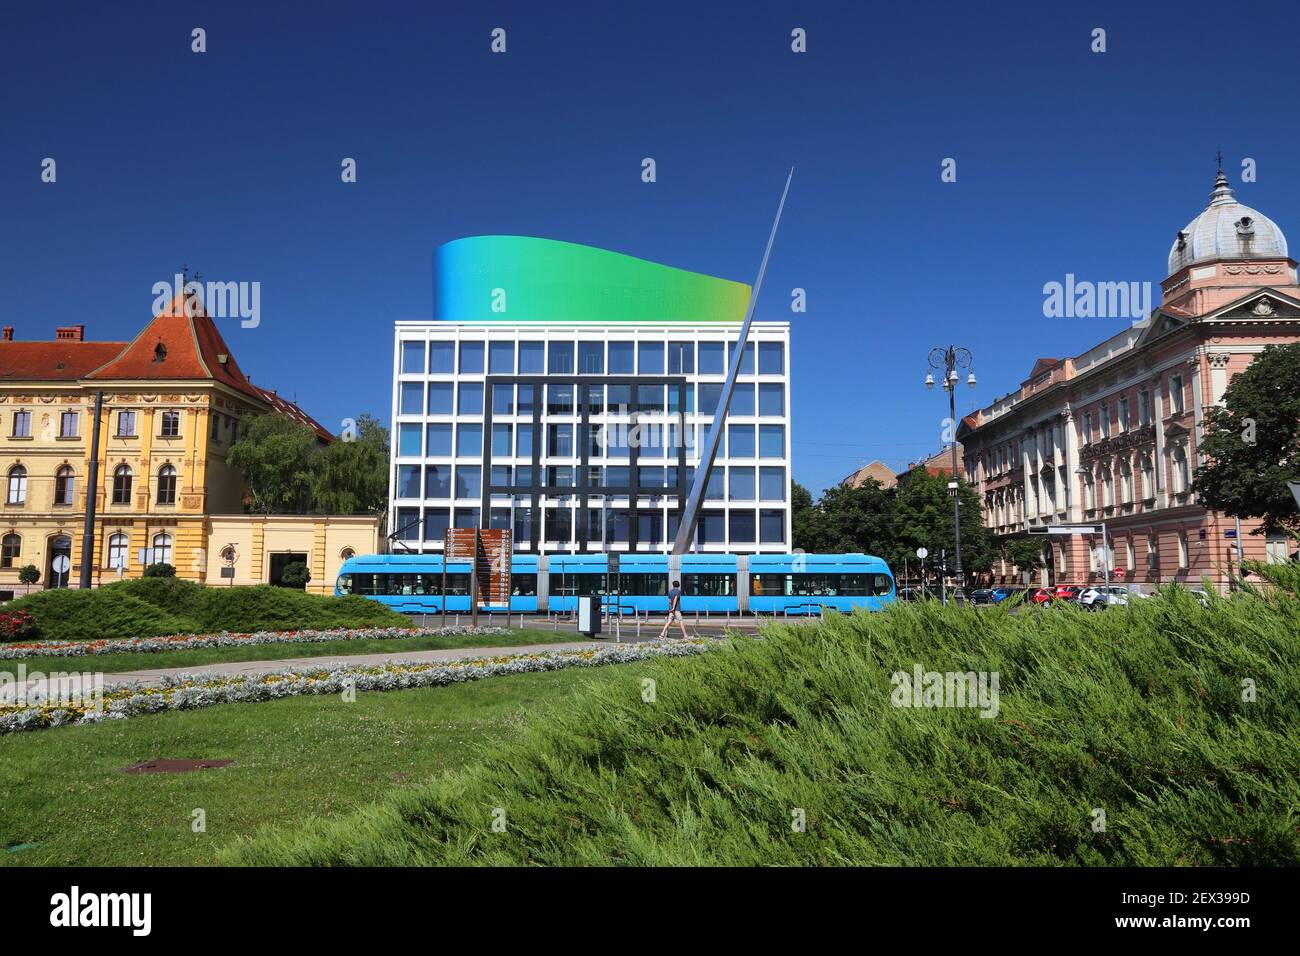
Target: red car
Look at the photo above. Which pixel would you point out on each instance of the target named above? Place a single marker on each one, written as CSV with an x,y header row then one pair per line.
x,y
1042,595
1068,592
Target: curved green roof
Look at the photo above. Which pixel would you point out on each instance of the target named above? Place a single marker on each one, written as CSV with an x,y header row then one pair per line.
x,y
526,279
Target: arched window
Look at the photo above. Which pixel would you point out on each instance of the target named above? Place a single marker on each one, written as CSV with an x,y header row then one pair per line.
x,y
162,548
1089,492
63,486
347,553
167,485
11,548
122,485
1126,481
118,552
1107,488
17,485
1148,478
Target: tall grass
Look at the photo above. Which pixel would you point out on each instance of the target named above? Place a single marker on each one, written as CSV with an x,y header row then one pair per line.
x,y
152,607
1137,712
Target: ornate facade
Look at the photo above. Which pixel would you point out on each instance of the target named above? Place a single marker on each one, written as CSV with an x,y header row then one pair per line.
x,y
173,403
1114,434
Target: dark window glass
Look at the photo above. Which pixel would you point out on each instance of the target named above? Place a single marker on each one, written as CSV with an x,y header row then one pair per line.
x,y
771,398
442,358
621,358
471,398
771,483
502,439
121,485
468,483
408,524
503,399
710,361
466,518
716,489
591,358
501,476
524,441
523,585
740,441
440,398
643,585
471,358
681,358
771,441
527,399
742,400
501,358
741,486
559,357
649,529
618,399
709,585
413,358
771,358
771,526
411,399
710,395
439,440
559,528
437,481
652,358
561,476
469,440
559,441
713,527
436,521
742,526
559,399
408,481
746,361
532,358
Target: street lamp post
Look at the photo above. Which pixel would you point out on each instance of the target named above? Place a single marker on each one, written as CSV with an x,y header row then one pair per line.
x,y
948,361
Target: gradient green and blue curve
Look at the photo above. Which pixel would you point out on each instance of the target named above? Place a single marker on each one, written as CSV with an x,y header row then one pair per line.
x,y
545,280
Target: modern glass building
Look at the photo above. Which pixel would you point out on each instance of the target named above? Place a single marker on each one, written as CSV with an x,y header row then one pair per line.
x,y
565,391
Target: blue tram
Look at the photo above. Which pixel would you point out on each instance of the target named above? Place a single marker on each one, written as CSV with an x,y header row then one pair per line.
x,y
711,583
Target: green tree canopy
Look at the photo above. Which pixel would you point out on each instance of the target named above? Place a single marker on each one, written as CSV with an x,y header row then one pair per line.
x,y
352,473
1253,443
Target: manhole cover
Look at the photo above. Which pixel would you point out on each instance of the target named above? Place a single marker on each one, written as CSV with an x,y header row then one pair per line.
x,y
175,766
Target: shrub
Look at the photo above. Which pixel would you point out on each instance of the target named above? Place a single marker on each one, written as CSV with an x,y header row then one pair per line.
x,y
160,570
295,575
28,574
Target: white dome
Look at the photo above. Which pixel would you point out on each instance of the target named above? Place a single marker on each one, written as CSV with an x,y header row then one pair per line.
x,y
1226,229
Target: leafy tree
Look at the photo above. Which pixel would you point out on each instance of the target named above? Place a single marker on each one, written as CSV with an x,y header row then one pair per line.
x,y
1253,443
852,519
806,528
160,570
276,455
295,575
352,474
922,517
28,574
1025,553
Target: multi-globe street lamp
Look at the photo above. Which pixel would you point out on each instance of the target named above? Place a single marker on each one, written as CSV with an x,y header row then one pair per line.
x,y
948,361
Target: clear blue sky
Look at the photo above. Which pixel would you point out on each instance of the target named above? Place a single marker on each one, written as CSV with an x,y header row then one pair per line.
x,y
1067,161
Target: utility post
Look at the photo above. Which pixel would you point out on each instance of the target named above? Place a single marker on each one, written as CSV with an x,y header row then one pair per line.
x,y
948,361
92,491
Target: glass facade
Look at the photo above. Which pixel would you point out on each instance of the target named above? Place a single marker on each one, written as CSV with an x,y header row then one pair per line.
x,y
587,439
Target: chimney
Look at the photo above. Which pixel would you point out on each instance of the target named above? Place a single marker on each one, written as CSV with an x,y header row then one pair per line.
x,y
70,333
8,332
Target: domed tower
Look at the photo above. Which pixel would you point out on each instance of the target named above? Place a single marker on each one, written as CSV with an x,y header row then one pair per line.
x,y
1223,252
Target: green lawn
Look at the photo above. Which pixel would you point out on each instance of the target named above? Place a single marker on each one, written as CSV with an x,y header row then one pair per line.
x,y
64,791
135,661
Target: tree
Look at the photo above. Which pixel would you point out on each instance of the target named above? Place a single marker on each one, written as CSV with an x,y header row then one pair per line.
x,y
352,474
850,519
28,574
1253,443
1026,553
922,517
295,575
160,570
276,455
805,528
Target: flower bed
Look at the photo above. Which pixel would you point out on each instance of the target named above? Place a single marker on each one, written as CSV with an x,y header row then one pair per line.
x,y
189,691
176,642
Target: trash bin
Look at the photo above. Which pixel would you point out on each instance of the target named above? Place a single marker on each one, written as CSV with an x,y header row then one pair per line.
x,y
588,616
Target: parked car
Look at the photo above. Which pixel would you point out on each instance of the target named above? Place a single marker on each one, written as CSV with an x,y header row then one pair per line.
x,y
1068,592
1201,595
1100,596
1042,595
981,596
1001,594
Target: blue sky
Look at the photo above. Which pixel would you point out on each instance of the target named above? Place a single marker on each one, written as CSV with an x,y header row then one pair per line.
x,y
1067,162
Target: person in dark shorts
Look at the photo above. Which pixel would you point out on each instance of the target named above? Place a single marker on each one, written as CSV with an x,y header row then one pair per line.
x,y
674,610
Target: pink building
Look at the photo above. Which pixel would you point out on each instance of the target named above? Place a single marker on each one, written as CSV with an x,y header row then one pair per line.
x,y
1113,434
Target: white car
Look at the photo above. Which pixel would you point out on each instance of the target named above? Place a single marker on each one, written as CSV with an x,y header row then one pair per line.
x,y
1102,596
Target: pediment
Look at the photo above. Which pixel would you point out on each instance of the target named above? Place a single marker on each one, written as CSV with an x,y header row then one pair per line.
x,y
1261,304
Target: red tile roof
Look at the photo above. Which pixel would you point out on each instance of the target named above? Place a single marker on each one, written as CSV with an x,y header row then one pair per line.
x,y
60,361
175,346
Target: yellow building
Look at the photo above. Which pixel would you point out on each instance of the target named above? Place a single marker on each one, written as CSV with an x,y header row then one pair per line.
x,y
173,402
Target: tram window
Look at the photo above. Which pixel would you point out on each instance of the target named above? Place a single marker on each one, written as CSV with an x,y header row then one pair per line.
x,y
577,585
818,585
523,585
643,585
345,584
709,585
